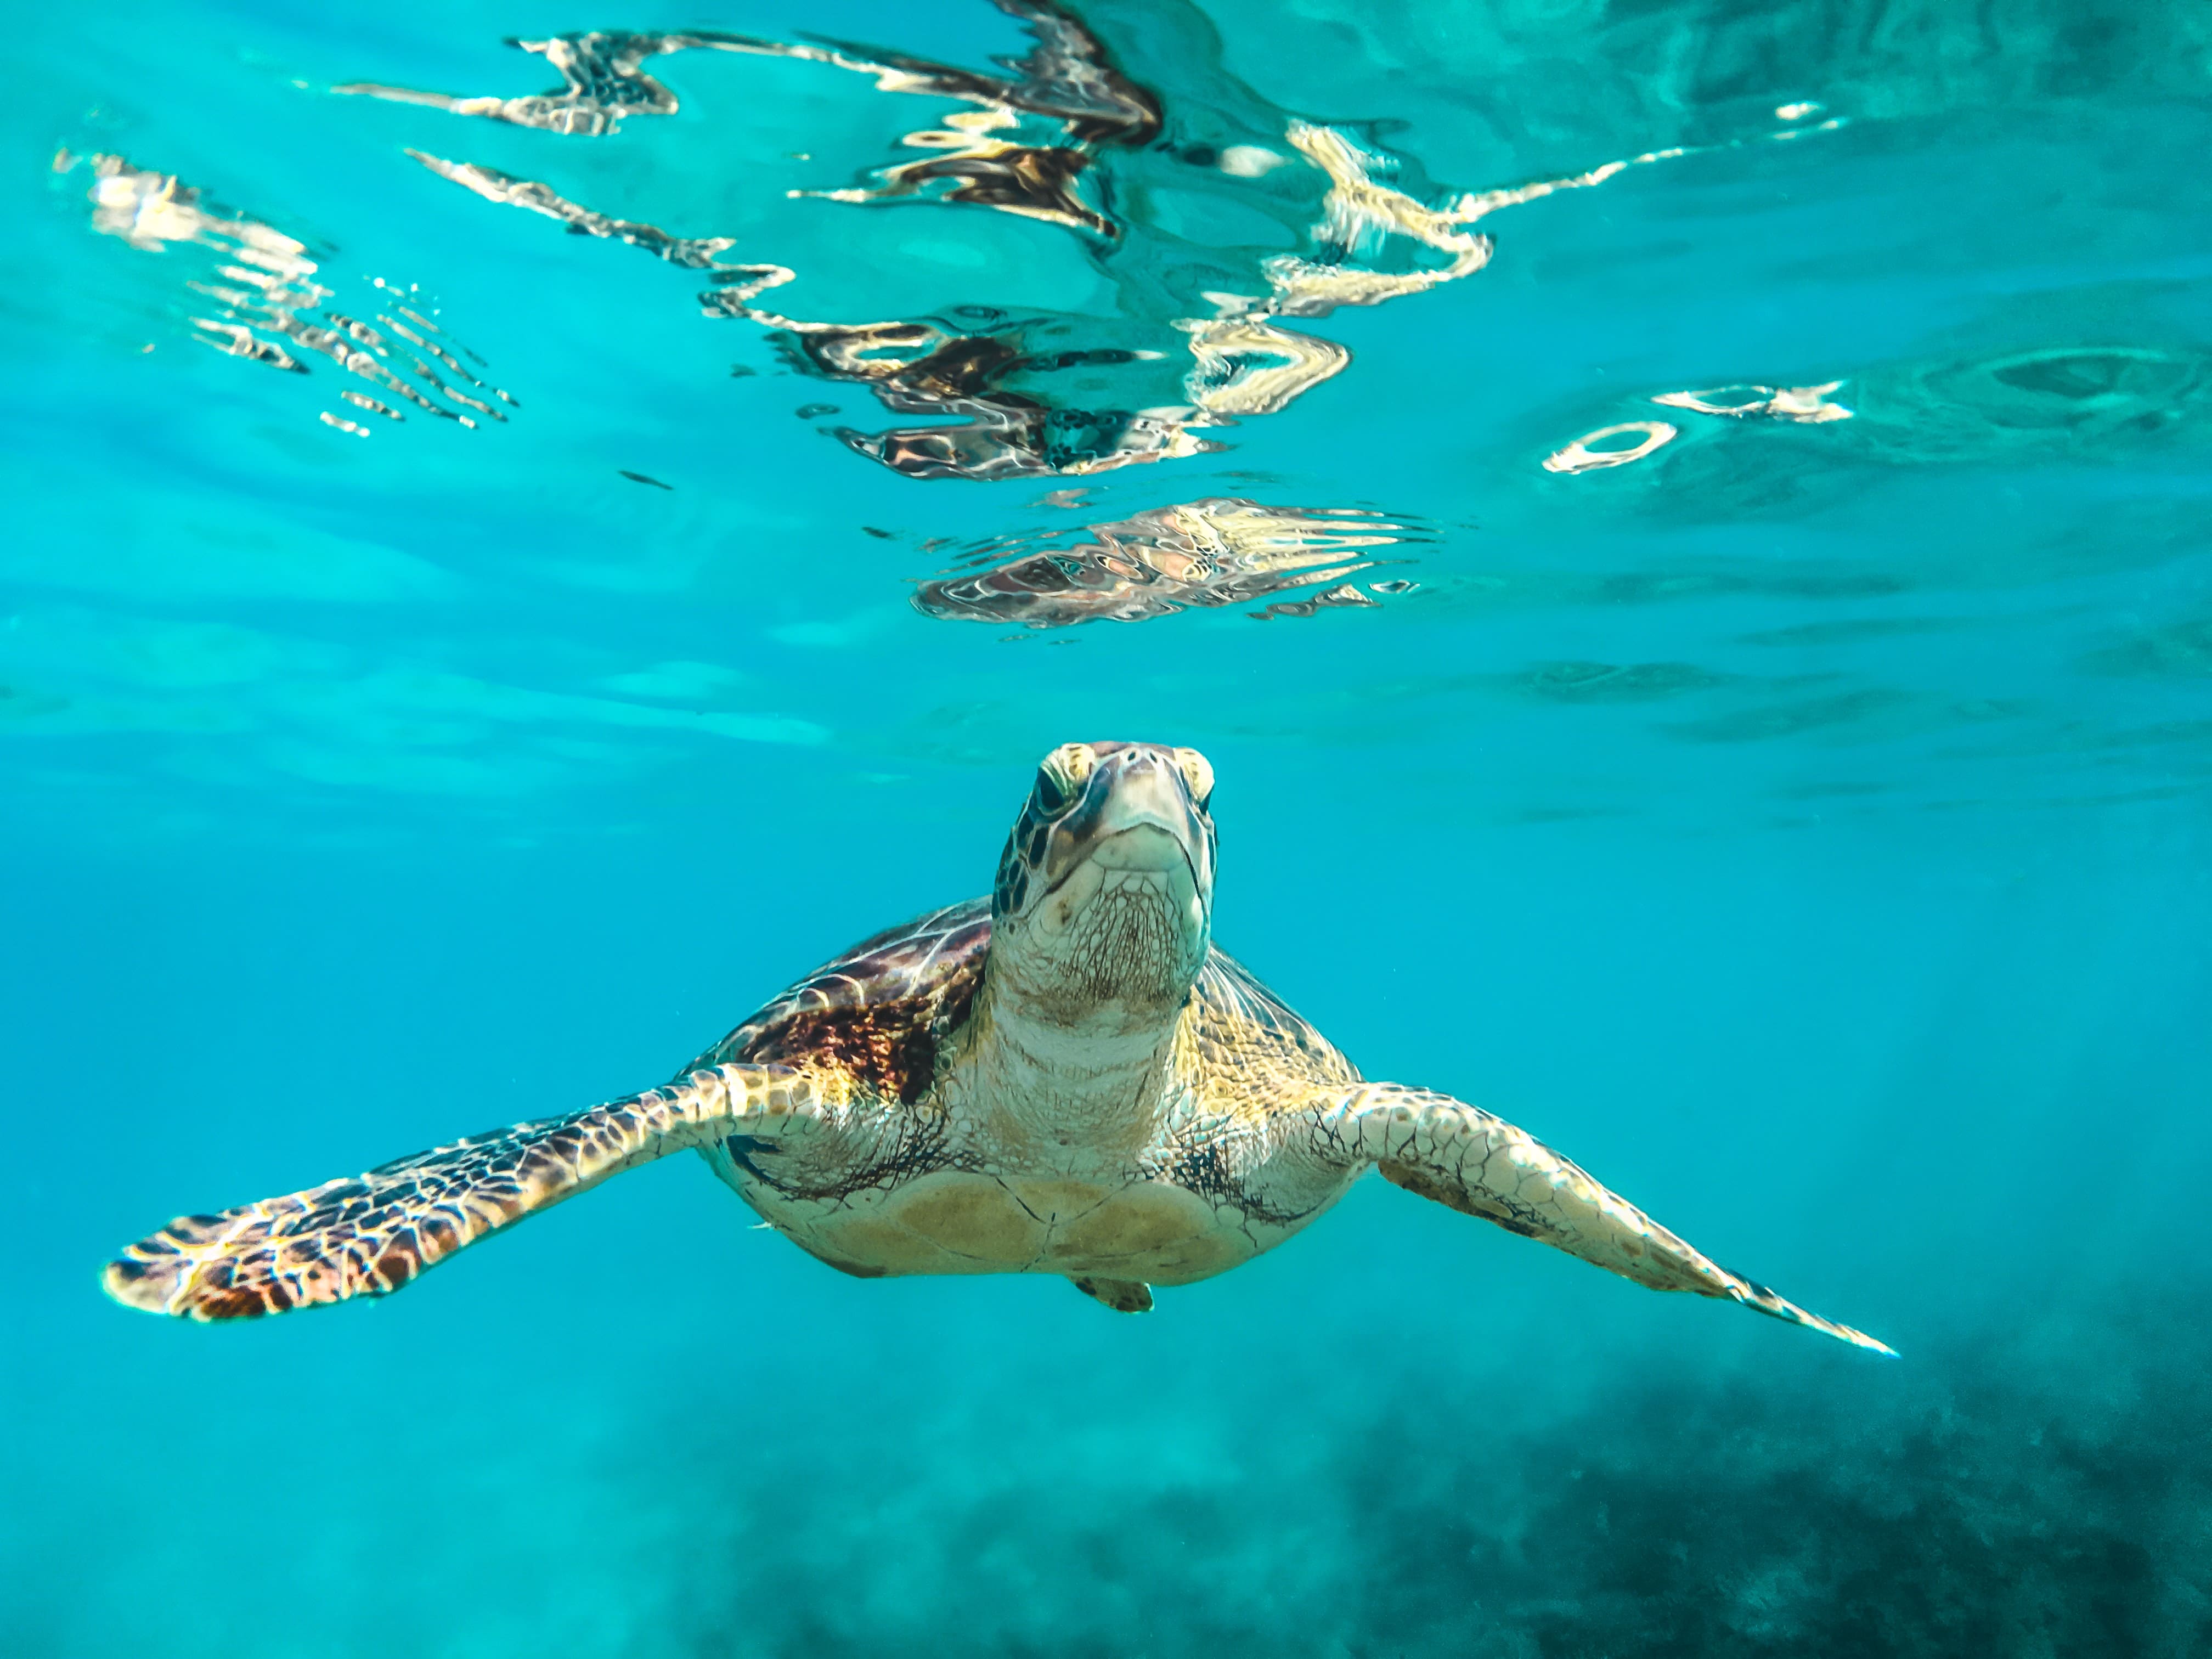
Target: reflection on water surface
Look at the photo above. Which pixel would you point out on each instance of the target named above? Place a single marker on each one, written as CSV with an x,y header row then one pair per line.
x,y
264,293
1216,552
1214,223
1805,819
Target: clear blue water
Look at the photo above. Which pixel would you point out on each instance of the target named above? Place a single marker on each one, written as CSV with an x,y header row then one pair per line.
x,y
1804,823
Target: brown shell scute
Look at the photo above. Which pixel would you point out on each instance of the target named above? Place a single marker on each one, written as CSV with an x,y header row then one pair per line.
x,y
892,1050
879,1013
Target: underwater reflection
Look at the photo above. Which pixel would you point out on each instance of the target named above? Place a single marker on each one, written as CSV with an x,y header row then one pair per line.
x,y
1611,446
1806,405
1219,551
1634,440
2061,396
266,299
1216,222
1994,406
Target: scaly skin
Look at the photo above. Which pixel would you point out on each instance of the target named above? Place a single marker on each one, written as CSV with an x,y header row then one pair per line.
x,y
1068,1079
371,1234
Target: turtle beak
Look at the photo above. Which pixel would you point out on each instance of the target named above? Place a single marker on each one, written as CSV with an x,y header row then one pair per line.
x,y
1138,817
1146,823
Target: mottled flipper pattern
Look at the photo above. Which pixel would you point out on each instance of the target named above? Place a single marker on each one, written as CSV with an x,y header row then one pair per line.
x,y
1464,1156
368,1235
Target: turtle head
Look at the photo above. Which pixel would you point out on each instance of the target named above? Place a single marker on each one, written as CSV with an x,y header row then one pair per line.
x,y
1104,902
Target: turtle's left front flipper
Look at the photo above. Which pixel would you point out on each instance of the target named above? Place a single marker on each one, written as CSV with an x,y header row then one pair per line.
x,y
368,1235
1464,1156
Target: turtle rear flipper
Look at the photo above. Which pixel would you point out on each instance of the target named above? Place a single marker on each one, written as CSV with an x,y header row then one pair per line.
x,y
368,1235
1481,1165
1122,1295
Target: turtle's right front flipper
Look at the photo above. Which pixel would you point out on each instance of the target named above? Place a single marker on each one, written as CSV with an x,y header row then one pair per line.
x,y
1464,1157
368,1235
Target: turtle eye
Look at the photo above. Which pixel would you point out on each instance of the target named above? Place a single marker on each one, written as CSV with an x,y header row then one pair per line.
x,y
1061,775
1198,774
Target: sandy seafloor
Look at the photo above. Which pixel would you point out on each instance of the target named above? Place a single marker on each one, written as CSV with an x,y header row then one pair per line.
x,y
1805,826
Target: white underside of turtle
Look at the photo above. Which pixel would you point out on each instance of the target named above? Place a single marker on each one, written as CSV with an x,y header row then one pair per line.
x,y
1065,1078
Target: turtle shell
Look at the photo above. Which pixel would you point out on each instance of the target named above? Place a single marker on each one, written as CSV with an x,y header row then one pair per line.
x,y
882,1013
879,1012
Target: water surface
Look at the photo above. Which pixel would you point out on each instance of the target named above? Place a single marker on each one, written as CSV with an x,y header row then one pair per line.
x,y
1681,528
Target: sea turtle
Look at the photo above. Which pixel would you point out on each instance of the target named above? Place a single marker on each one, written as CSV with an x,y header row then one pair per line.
x,y
1064,1077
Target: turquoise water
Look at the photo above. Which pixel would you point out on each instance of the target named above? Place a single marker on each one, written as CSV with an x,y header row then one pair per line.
x,y
625,544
